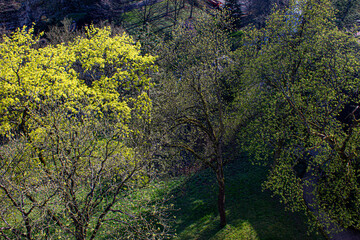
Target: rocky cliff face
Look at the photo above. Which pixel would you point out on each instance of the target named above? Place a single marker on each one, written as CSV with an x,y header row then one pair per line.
x,y
16,13
9,11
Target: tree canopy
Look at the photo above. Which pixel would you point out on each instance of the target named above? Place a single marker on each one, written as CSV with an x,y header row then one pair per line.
x,y
71,117
306,72
194,63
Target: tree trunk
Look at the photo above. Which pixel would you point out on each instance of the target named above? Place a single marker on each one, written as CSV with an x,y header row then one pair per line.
x,y
221,204
191,9
145,14
167,7
175,12
28,227
221,194
79,232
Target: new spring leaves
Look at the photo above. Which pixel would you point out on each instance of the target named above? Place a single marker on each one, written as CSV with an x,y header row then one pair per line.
x,y
99,72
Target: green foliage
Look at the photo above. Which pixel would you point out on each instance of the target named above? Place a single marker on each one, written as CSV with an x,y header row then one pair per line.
x,y
306,74
193,64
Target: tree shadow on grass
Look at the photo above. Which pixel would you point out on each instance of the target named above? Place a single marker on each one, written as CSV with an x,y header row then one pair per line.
x,y
251,212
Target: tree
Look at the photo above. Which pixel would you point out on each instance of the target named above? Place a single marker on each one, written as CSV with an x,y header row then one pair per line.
x,y
191,101
258,11
72,119
193,3
147,10
175,9
235,12
348,12
306,73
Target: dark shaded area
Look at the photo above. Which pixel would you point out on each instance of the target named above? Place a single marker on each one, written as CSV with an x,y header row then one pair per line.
x,y
245,203
14,14
349,114
256,11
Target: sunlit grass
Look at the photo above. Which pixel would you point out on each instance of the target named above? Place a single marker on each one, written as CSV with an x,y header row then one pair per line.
x,y
240,230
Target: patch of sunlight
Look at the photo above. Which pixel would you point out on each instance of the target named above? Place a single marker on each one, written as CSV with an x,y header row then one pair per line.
x,y
203,223
197,203
199,227
237,231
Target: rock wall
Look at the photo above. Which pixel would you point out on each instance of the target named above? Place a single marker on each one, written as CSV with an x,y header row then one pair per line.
x,y
9,11
16,13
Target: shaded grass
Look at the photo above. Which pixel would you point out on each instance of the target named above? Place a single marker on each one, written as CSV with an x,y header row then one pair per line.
x,y
251,212
159,21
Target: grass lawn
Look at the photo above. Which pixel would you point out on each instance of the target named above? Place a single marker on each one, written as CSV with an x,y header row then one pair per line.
x,y
251,212
158,20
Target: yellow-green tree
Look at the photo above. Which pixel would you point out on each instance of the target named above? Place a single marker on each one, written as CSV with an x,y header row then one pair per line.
x,y
106,74
72,120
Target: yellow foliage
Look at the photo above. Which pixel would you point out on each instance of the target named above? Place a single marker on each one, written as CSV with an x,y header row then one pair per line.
x,y
35,80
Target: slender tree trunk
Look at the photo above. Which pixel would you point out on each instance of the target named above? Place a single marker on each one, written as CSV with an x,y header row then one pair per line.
x,y
28,227
79,233
221,194
167,7
145,15
191,9
175,11
79,228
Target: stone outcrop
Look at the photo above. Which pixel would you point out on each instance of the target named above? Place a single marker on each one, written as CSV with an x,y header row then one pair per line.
x,y
9,17
16,13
